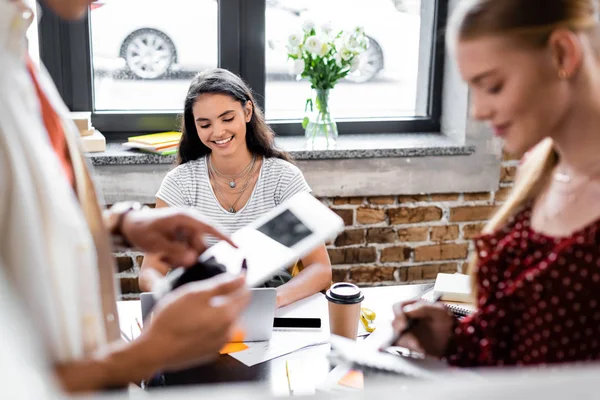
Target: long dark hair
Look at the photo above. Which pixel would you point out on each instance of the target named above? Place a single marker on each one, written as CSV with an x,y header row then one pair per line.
x,y
260,138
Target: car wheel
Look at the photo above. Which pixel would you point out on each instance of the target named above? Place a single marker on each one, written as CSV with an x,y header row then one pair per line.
x,y
149,54
371,62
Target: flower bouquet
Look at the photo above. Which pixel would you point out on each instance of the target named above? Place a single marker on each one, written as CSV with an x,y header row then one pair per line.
x,y
323,57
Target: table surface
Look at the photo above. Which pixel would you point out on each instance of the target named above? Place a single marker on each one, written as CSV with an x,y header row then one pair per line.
x,y
310,366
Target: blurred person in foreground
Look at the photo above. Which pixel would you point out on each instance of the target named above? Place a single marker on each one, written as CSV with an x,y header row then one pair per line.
x,y
534,75
56,252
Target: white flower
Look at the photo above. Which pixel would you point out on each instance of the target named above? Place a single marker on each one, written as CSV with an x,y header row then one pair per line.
x,y
358,30
355,64
346,54
326,28
338,60
325,47
294,51
313,45
297,66
295,39
363,42
308,25
352,43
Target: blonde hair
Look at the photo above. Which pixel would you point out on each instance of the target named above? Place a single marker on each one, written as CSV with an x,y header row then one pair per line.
x,y
529,26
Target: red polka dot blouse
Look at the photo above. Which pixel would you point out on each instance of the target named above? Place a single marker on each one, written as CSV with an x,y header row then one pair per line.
x,y
538,299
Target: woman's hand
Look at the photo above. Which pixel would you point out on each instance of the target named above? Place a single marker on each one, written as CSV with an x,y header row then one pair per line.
x,y
177,236
433,331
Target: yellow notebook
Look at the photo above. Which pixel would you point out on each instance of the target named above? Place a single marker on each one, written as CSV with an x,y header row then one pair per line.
x,y
156,138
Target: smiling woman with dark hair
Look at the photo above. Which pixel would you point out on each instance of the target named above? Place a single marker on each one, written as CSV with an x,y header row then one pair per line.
x,y
230,170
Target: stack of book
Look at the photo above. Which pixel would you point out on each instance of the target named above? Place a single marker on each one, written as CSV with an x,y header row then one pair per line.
x,y
91,139
164,143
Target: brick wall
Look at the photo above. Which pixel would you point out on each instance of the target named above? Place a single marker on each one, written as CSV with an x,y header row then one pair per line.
x,y
392,239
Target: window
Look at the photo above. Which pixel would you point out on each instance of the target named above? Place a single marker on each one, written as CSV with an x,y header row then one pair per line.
x,y
385,84
146,62
131,61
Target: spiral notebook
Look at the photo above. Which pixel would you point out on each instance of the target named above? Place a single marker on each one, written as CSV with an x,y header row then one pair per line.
x,y
456,293
365,357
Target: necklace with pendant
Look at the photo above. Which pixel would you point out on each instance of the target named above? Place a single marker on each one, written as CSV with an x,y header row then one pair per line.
x,y
230,179
230,206
573,192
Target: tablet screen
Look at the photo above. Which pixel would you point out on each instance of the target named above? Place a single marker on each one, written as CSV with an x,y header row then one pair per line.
x,y
286,229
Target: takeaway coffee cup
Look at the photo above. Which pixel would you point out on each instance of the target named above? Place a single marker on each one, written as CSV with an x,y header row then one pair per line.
x,y
344,309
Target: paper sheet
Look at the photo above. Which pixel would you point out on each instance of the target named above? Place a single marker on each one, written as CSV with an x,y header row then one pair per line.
x,y
289,340
281,343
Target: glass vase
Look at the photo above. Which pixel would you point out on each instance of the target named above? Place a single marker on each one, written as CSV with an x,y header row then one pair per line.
x,y
321,130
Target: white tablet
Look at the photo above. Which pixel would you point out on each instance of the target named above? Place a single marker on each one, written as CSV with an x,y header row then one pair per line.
x,y
278,239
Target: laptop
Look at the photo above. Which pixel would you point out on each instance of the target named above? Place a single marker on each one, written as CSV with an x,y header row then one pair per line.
x,y
256,321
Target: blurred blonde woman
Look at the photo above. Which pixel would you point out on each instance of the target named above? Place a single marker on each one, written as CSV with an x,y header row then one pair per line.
x,y
534,74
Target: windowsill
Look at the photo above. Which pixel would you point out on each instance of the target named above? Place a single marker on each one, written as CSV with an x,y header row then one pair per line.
x,y
348,147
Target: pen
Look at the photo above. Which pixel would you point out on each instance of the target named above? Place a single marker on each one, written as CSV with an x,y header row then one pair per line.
x,y
138,324
287,374
410,323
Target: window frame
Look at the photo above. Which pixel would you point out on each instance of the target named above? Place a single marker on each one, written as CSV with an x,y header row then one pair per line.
x,y
65,50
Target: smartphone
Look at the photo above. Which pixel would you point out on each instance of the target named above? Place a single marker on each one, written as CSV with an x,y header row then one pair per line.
x,y
277,239
309,323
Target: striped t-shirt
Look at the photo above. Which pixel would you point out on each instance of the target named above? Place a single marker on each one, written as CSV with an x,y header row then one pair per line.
x,y
188,185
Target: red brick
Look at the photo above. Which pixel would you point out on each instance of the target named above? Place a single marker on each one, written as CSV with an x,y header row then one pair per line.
x,y
124,263
437,252
381,235
129,285
139,260
371,274
368,216
472,230
348,200
339,274
413,198
150,205
402,274
408,215
472,213
382,200
503,193
429,271
416,234
476,196
445,197
352,255
347,216
395,254
350,237
444,233
507,174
